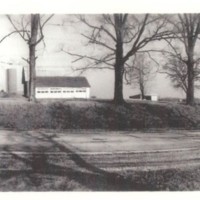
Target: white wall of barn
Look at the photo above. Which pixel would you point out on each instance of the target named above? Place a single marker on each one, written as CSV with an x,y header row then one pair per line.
x,y
61,93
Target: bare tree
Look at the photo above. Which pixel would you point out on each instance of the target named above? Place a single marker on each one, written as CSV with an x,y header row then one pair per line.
x,y
140,74
184,60
30,28
176,70
119,37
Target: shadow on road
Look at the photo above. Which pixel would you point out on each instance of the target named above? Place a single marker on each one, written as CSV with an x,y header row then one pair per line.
x,y
83,173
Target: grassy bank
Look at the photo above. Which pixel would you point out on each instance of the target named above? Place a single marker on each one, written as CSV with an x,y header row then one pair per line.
x,y
101,115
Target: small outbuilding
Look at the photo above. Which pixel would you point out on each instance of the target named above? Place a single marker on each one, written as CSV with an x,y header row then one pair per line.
x,y
151,97
59,87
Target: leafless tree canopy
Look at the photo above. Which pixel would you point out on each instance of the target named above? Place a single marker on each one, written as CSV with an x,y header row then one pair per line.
x,y
177,72
134,31
119,37
22,25
141,73
183,59
30,28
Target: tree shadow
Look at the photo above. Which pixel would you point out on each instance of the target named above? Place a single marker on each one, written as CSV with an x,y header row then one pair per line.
x,y
81,172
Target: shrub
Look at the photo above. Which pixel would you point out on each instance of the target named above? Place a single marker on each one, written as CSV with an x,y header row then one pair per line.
x,y
100,115
23,117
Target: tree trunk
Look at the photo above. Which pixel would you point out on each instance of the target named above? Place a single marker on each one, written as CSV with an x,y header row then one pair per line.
x,y
119,60
118,93
142,93
32,59
32,73
190,89
141,85
119,71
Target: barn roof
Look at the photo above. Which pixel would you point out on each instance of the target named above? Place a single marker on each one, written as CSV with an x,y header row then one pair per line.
x,y
61,81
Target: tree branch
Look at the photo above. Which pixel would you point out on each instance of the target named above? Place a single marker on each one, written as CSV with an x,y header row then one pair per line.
x,y
101,28
2,39
97,61
41,27
17,30
27,60
94,41
133,49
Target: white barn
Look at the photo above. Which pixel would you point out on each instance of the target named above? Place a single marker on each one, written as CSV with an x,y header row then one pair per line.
x,y
59,87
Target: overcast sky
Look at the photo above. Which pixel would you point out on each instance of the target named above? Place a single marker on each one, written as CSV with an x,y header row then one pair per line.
x,y
60,32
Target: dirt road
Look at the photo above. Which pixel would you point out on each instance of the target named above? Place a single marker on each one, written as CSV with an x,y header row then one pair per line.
x,y
112,151
99,160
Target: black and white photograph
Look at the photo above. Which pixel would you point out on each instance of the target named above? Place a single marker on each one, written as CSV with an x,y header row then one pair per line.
x,y
99,101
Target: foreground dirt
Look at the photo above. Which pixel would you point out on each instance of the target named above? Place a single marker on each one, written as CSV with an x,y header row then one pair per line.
x,y
99,160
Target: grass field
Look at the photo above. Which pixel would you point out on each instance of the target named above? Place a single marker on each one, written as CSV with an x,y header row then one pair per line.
x,y
88,160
